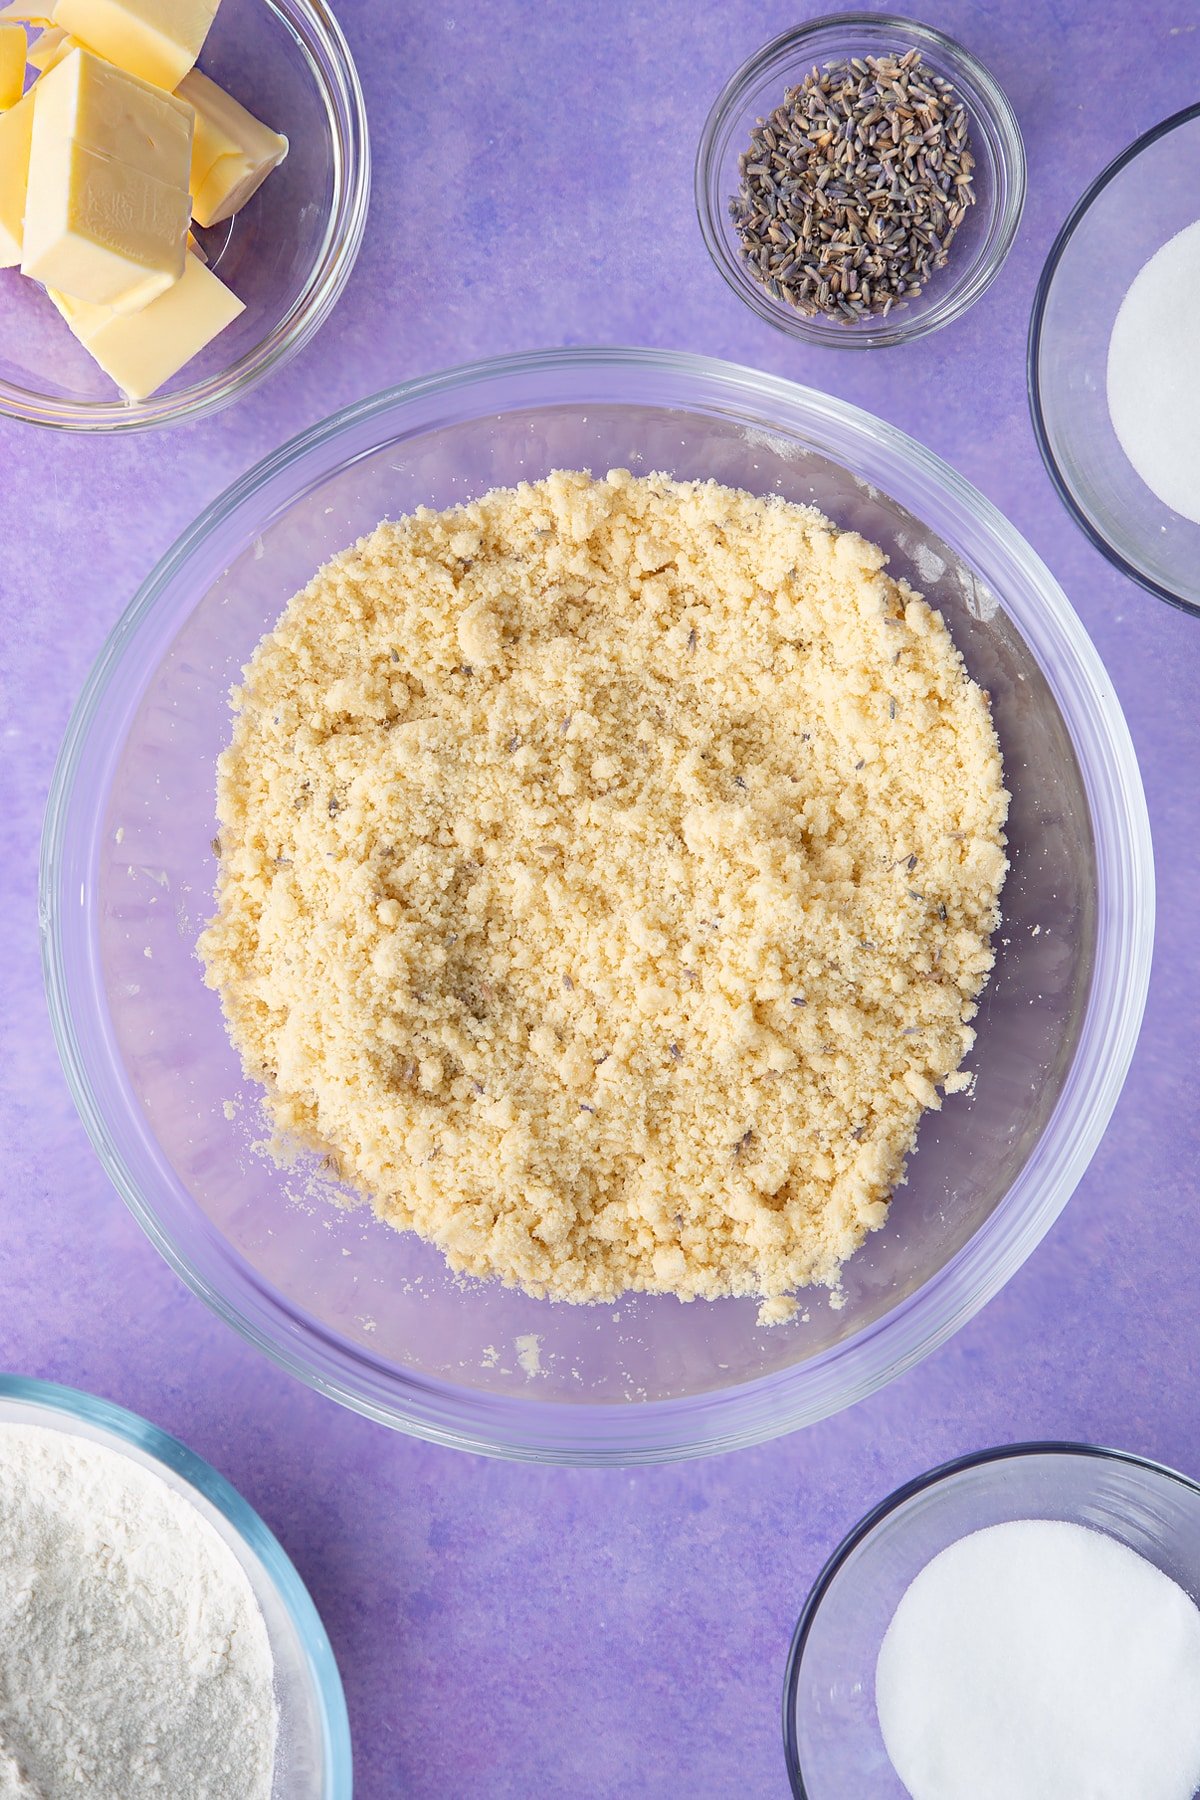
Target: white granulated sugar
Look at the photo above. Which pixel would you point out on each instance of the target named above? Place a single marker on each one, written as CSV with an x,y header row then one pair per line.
x,y
1154,374
134,1659
1040,1660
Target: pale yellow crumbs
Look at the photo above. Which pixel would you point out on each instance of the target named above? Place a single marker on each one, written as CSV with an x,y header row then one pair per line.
x,y
607,871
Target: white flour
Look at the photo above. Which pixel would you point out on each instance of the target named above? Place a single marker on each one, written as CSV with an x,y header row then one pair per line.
x,y
134,1659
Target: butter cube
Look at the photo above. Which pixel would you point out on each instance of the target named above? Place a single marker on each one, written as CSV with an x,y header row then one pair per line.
x,y
156,39
109,230
114,113
16,130
17,14
232,152
107,209
12,65
142,352
71,310
49,48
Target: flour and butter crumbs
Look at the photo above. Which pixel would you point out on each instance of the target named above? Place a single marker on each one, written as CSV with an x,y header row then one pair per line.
x,y
607,870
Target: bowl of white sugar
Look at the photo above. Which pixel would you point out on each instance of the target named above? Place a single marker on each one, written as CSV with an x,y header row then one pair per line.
x,y
1114,361
154,1637
1021,1622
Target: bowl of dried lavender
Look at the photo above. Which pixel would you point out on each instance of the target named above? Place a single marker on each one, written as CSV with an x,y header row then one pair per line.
x,y
860,180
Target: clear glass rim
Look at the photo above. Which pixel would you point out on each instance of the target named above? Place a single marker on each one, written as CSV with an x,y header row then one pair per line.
x,y
329,57
900,1497
958,297
129,1428
1033,380
750,1412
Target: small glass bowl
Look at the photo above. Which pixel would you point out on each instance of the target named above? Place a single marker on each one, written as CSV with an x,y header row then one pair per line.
x,y
831,1734
1140,201
313,1758
985,235
287,255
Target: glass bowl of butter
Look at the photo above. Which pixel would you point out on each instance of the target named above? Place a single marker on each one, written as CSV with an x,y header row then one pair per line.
x,y
183,193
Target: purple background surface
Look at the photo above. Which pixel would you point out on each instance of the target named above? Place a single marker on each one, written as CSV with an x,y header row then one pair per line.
x,y
504,1630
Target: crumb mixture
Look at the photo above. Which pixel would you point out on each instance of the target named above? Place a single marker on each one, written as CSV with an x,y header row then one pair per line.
x,y
607,873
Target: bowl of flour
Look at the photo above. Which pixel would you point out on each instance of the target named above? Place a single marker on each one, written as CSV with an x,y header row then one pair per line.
x,y
154,1637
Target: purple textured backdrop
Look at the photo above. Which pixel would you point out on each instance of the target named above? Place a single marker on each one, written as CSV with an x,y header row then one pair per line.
x,y
511,1631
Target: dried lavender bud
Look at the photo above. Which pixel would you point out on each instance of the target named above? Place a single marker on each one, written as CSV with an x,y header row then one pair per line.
x,y
853,188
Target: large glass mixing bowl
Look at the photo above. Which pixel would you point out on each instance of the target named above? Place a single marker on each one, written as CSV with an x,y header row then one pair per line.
x,y
373,1317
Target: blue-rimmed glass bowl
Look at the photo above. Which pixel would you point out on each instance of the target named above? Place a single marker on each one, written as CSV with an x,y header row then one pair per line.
x,y
373,1317
312,1760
